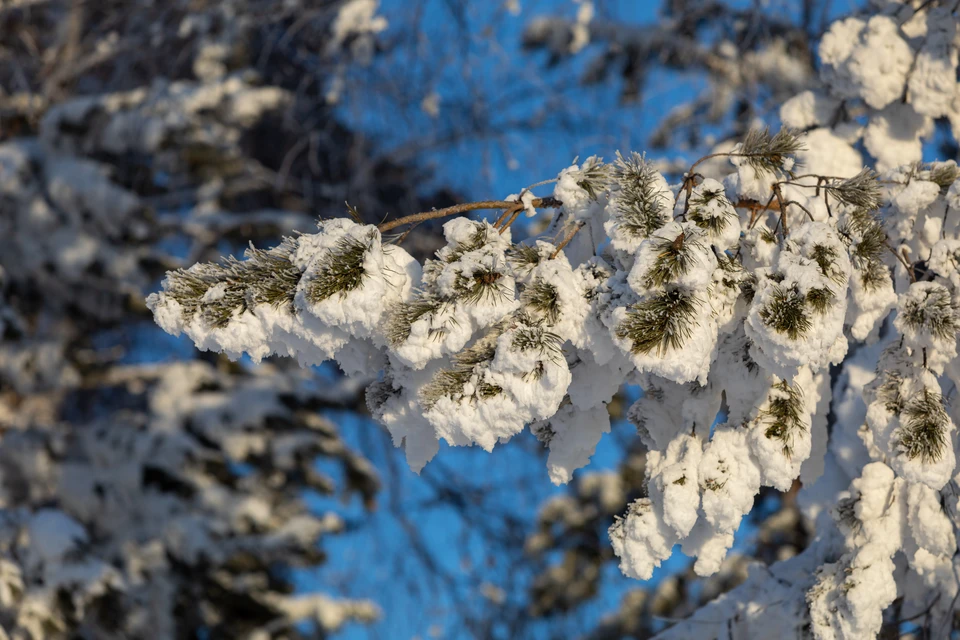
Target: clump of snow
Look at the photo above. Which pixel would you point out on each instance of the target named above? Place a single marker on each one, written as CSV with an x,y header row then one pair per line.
x,y
865,59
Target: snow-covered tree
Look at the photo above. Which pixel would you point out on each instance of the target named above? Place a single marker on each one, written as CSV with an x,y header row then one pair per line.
x,y
727,297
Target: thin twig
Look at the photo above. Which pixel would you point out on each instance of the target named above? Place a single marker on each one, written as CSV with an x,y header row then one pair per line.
x,y
903,260
783,208
545,203
513,218
805,210
567,239
506,214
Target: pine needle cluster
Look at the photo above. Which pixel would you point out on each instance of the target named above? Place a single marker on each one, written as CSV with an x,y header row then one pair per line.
x,y
733,272
546,343
595,176
536,338
484,284
867,251
340,271
767,235
935,314
675,257
924,430
639,200
697,213
783,415
874,275
862,191
821,299
944,175
401,316
457,250
888,391
523,257
786,312
826,257
541,300
766,153
748,287
468,365
870,240
662,322
265,277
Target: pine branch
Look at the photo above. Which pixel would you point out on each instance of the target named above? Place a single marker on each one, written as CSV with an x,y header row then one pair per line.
x,y
217,292
765,153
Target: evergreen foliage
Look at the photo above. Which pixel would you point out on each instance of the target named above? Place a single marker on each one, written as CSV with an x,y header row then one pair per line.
x,y
660,323
638,199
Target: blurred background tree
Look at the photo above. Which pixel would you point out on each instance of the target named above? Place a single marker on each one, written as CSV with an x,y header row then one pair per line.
x,y
152,491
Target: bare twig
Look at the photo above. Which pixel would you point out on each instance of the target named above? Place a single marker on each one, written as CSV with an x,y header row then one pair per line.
x,y
506,214
567,239
546,203
783,208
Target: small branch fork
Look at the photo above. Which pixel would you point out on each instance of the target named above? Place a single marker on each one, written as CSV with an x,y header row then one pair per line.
x,y
511,209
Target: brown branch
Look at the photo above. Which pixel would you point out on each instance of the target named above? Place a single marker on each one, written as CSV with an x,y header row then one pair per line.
x,y
567,239
506,214
902,257
546,203
513,218
756,206
783,208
